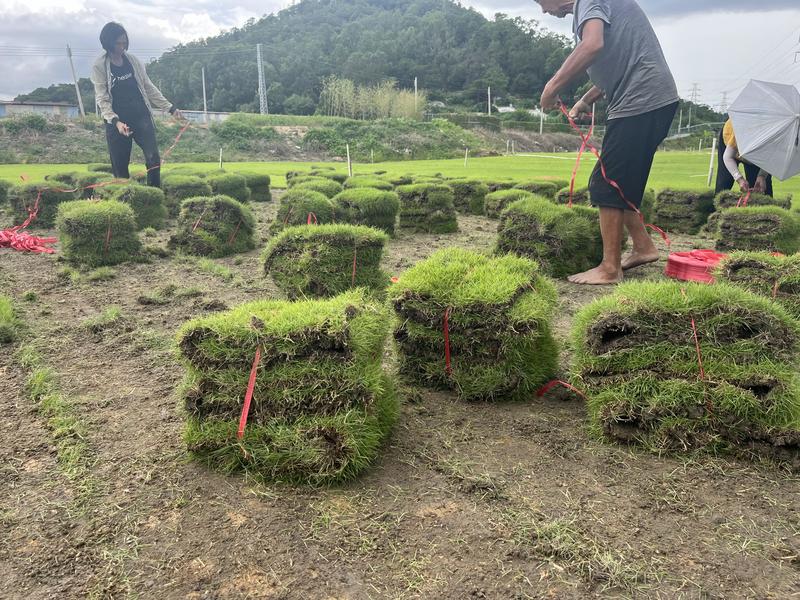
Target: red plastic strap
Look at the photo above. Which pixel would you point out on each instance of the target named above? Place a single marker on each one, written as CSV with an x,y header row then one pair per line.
x,y
610,181
197,223
235,232
312,216
697,265
696,344
288,215
447,366
248,397
743,200
108,237
578,165
556,383
355,264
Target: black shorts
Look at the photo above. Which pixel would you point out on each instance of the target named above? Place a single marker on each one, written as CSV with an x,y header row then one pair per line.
x,y
629,146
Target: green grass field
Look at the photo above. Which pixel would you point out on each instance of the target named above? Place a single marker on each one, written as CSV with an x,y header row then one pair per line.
x,y
682,170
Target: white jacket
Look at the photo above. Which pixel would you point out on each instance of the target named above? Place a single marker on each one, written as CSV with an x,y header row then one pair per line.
x,y
101,78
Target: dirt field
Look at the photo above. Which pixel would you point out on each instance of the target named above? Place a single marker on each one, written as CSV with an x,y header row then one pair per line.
x,y
504,501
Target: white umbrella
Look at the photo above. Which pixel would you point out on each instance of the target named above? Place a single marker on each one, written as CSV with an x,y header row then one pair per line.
x,y
766,120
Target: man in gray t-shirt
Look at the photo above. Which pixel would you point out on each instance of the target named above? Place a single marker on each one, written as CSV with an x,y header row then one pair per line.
x,y
619,49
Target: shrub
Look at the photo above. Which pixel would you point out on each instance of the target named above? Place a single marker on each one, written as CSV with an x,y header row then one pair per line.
x,y
178,188
23,200
499,313
322,406
327,187
496,202
147,204
427,208
97,234
562,240
368,206
214,227
468,195
326,260
299,206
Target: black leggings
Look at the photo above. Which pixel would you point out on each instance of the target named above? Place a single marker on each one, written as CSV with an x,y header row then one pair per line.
x,y
119,147
725,180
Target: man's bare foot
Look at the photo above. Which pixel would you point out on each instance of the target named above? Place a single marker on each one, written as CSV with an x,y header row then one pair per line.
x,y
597,276
637,259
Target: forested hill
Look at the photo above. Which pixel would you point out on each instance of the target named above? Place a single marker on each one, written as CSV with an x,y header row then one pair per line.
x,y
455,53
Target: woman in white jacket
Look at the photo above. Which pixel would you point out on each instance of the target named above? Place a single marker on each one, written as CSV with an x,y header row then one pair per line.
x,y
126,98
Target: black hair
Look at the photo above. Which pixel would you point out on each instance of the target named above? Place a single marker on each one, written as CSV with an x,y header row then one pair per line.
x,y
110,34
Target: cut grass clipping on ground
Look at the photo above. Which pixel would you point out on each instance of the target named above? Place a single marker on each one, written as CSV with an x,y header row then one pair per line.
x,y
97,234
776,277
368,206
321,261
499,313
562,240
427,208
322,406
214,227
634,353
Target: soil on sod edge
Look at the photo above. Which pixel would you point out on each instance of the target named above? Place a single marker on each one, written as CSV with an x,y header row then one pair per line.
x,y
507,500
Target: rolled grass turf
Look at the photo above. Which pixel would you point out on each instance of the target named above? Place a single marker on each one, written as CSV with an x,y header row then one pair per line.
x,y
368,206
683,211
214,226
634,352
23,199
322,405
427,208
764,273
469,195
321,261
562,240
178,188
302,206
148,204
499,313
766,228
98,233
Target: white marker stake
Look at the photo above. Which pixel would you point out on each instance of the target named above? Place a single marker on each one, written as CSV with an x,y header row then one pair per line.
x,y
711,161
466,156
349,163
220,157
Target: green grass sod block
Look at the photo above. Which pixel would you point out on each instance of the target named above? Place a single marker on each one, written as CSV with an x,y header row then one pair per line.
x,y
758,228
23,199
178,188
216,226
229,184
427,208
496,202
147,204
298,206
98,233
368,206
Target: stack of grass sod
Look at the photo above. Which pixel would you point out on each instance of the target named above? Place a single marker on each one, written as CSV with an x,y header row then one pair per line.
x,y
23,199
496,186
368,206
99,168
64,179
498,323
635,354
730,199
230,184
562,240
301,207
321,261
259,185
496,202
328,187
401,180
682,211
766,274
373,181
758,228
427,208
98,233
322,405
302,178
178,188
547,189
147,204
214,226
580,195
469,196
329,173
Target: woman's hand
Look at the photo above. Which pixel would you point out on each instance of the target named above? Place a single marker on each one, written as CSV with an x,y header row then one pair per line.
x,y
743,185
178,115
123,129
761,185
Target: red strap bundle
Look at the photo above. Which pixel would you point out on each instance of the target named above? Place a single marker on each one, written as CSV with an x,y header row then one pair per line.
x,y
697,265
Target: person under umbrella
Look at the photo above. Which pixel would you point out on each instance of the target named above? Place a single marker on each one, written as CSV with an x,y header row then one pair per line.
x,y
126,98
754,178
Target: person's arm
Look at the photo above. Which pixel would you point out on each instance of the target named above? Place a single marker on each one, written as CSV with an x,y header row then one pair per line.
x,y
102,94
729,158
585,53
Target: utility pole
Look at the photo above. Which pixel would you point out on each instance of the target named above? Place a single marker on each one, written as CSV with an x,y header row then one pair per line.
x,y
695,97
262,88
205,101
680,121
541,121
489,93
75,79
723,107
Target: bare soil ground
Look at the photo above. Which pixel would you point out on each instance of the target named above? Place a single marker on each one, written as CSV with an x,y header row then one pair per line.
x,y
504,501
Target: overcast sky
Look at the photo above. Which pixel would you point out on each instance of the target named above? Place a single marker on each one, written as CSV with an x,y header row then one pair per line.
x,y
719,44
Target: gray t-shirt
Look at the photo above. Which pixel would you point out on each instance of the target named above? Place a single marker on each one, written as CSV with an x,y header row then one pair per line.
x,y
631,68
